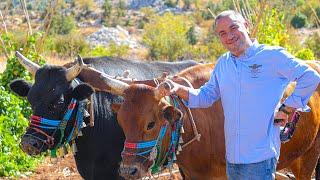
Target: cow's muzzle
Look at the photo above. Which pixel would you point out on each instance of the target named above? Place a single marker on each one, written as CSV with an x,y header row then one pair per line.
x,y
131,172
31,145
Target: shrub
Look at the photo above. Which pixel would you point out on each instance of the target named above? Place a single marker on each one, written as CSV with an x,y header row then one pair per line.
x,y
13,68
191,36
313,43
273,31
13,161
107,10
70,44
112,50
305,54
166,37
171,3
62,24
299,20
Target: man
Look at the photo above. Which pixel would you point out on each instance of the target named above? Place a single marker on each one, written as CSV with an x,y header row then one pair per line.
x,y
250,79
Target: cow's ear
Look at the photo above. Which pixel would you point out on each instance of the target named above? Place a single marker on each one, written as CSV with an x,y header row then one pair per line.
x,y
115,107
20,86
171,114
82,91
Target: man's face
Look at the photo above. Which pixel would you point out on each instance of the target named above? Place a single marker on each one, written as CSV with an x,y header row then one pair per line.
x,y
233,34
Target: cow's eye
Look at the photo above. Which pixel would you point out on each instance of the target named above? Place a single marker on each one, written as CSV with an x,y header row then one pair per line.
x,y
151,125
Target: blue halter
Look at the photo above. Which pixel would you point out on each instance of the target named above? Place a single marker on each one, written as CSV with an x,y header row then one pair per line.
x,y
43,123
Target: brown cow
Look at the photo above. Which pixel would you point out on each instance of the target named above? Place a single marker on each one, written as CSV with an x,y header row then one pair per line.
x,y
144,112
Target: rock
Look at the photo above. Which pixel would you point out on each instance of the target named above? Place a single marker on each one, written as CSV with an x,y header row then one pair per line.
x,y
118,35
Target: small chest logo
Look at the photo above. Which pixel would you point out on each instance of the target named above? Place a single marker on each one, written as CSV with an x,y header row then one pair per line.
x,y
255,70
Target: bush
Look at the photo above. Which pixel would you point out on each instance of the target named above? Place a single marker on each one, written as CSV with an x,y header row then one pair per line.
x,y
305,54
13,68
299,20
273,31
13,161
191,36
113,50
62,24
313,43
171,3
166,37
70,44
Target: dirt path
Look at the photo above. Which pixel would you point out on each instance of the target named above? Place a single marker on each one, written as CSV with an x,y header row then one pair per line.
x,y
56,169
65,169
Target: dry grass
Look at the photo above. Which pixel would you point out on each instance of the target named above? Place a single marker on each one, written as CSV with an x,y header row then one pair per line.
x,y
3,63
52,59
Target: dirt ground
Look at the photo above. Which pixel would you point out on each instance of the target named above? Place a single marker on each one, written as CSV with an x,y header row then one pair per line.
x,y
65,169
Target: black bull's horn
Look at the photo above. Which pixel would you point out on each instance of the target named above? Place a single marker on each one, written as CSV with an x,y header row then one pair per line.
x,y
32,67
75,70
25,62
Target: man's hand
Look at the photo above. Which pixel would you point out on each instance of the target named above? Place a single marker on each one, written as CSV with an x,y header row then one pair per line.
x,y
284,113
167,87
282,116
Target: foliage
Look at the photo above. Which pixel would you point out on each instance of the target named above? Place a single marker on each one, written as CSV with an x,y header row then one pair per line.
x,y
171,3
107,10
299,20
305,54
166,37
13,68
112,50
191,36
313,43
62,24
14,110
272,30
12,125
70,44
187,4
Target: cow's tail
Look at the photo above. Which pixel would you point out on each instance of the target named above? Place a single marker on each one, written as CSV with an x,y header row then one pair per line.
x,y
318,170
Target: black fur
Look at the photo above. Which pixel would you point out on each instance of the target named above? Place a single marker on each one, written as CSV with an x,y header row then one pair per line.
x,y
82,91
20,86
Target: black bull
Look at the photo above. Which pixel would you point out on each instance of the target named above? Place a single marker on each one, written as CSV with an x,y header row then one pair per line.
x,y
99,148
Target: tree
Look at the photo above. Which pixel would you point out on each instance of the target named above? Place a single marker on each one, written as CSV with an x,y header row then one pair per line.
x,y
166,37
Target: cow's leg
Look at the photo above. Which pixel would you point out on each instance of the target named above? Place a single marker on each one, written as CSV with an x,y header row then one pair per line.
x,y
107,167
304,166
83,157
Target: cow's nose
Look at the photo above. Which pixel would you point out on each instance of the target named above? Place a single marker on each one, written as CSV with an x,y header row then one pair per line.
x,y
30,145
129,172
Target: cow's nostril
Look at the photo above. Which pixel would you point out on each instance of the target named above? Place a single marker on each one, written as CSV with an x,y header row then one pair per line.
x,y
30,145
133,171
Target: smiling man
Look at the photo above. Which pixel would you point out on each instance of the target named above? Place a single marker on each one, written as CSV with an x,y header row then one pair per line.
x,y
250,80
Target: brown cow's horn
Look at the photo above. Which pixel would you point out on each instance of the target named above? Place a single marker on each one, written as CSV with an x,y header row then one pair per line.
x,y
116,87
75,70
29,65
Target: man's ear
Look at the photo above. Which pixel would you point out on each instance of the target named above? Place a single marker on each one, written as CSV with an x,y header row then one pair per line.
x,y
171,114
82,91
20,87
115,107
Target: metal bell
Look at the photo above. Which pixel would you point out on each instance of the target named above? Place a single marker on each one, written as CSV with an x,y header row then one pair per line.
x,y
182,130
80,133
74,148
180,140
